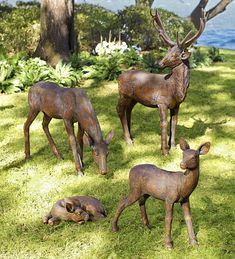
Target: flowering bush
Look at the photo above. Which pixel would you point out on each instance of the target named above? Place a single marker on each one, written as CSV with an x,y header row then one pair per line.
x,y
105,48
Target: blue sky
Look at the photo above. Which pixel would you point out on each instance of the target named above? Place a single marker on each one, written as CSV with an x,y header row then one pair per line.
x,y
182,7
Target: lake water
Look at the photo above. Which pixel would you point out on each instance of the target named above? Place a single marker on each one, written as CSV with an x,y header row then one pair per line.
x,y
218,38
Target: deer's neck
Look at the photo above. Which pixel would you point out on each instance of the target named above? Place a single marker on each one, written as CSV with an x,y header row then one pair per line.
x,y
90,124
181,80
190,181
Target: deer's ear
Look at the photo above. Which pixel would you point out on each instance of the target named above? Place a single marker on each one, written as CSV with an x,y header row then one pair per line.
x,y
204,148
185,55
69,207
109,137
184,144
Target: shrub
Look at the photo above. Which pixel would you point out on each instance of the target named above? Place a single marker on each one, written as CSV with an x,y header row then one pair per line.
x,y
131,58
214,55
94,21
199,58
137,26
8,68
150,62
105,68
30,72
19,28
64,74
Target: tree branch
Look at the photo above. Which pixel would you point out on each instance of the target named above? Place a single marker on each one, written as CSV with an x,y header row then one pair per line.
x,y
219,8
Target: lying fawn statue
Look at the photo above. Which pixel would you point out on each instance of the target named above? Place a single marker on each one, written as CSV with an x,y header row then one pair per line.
x,y
77,208
171,187
72,105
157,90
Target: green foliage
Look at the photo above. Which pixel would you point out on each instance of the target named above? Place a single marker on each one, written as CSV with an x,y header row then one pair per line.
x,y
8,68
150,62
105,68
19,29
84,58
214,55
30,71
131,58
18,73
199,58
94,21
64,74
137,27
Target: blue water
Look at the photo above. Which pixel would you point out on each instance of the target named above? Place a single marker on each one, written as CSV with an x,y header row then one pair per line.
x,y
218,38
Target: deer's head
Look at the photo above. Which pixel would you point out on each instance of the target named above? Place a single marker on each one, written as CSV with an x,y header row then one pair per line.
x,y
75,211
190,156
100,152
178,51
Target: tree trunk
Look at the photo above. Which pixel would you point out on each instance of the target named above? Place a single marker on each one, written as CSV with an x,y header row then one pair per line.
x,y
219,8
145,3
57,38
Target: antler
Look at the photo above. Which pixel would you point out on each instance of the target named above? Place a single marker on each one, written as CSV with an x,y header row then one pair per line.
x,y
159,26
187,42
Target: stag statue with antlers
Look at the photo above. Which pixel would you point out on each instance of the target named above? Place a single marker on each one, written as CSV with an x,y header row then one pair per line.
x,y
158,90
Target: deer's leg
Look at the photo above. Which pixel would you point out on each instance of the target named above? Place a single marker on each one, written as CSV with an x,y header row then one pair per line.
x,y
80,142
125,202
173,124
54,221
188,220
122,113
46,218
128,115
163,124
72,140
31,116
144,216
168,222
97,216
45,123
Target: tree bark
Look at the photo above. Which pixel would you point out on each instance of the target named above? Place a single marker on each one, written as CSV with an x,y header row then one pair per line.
x,y
57,38
145,3
217,9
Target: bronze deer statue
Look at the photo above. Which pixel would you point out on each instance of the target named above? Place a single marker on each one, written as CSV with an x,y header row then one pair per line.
x,y
171,187
76,208
158,90
72,105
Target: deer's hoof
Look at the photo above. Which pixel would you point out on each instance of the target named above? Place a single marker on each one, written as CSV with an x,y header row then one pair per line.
x,y
80,174
165,152
27,157
194,242
169,245
148,226
129,141
115,228
60,157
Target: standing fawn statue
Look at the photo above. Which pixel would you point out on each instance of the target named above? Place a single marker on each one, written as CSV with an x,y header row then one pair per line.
x,y
171,187
157,90
72,105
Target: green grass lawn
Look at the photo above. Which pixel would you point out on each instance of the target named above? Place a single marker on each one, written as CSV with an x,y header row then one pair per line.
x,y
29,189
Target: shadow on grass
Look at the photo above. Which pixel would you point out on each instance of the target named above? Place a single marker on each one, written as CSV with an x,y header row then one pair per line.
x,y
2,108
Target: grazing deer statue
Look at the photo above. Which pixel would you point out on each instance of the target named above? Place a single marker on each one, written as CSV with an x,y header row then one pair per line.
x,y
171,187
72,105
157,90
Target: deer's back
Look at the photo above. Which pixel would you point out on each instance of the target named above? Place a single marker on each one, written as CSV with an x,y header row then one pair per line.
x,y
55,101
146,88
159,183
89,204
